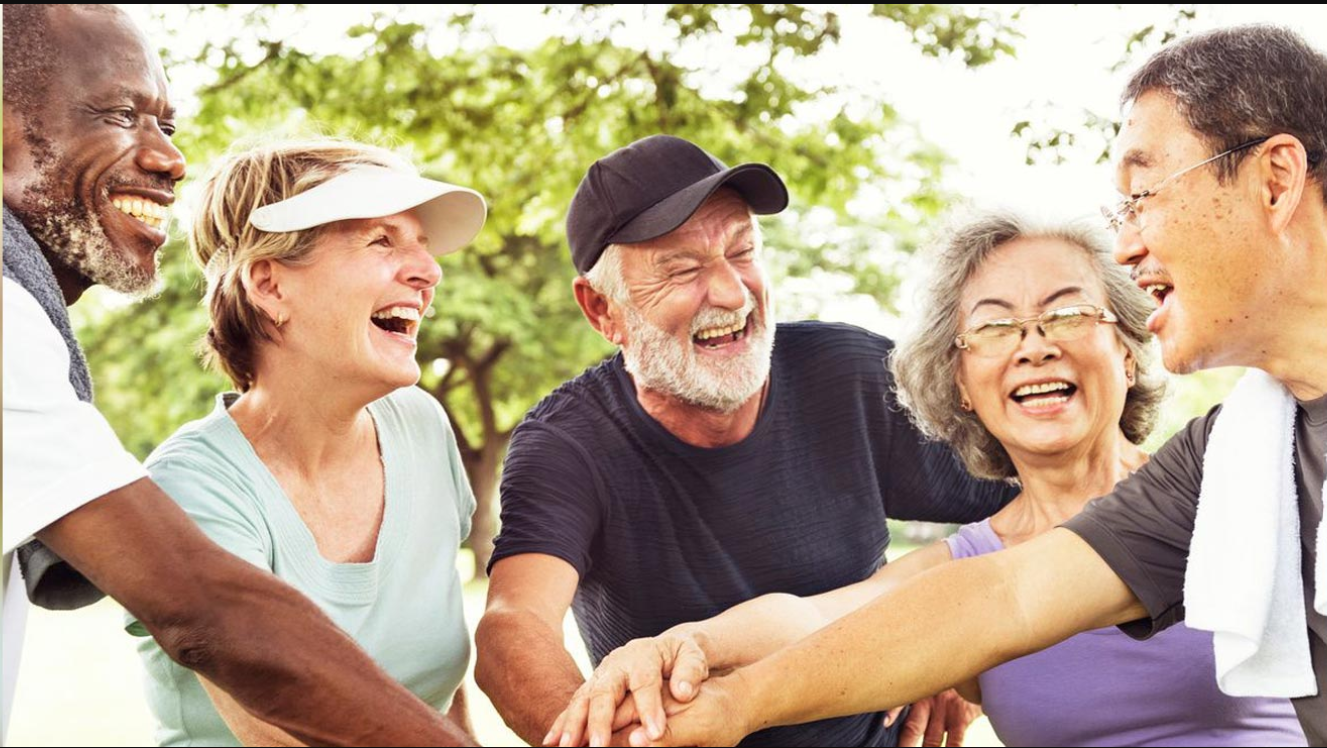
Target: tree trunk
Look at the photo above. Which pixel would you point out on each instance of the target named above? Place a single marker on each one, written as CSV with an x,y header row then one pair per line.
x,y
483,458
482,465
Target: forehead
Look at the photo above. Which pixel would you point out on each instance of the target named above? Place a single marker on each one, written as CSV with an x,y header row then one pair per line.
x,y
1154,137
723,218
103,53
1024,272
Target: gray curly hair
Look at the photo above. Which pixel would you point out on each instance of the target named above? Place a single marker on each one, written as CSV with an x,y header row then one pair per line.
x,y
925,361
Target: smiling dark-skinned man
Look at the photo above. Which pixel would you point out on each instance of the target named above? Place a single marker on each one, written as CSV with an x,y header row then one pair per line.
x,y
89,176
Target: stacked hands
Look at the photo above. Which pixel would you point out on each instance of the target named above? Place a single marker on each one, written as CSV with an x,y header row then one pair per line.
x,y
625,702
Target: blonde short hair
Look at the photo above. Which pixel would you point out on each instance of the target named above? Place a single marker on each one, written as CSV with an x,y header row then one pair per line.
x,y
226,245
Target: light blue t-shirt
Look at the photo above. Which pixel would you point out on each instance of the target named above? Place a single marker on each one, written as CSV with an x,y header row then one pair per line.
x,y
404,607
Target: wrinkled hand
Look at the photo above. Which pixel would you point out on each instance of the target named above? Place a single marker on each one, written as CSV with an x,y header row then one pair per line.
x,y
638,670
932,719
716,716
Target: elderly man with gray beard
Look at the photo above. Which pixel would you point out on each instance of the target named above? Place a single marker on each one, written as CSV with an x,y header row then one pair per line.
x,y
717,457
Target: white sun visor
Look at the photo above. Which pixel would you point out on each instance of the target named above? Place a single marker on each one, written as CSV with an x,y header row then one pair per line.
x,y
452,215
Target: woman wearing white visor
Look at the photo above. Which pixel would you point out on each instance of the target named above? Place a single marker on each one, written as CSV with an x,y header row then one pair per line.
x,y
328,466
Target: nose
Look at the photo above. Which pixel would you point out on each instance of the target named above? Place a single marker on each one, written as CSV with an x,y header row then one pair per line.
x,y
158,155
1129,246
726,289
421,268
1034,349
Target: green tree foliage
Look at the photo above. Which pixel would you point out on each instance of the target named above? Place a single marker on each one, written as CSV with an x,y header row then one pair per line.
x,y
521,124
1057,136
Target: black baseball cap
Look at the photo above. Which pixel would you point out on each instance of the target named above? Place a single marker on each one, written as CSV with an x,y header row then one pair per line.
x,y
647,189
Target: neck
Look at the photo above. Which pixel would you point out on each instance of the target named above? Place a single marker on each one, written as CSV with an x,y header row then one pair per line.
x,y
1295,346
72,283
314,425
1297,362
1057,487
701,427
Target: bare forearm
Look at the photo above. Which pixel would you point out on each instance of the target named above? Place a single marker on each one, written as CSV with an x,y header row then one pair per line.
x,y
939,629
300,672
756,628
459,713
889,653
244,630
760,626
525,670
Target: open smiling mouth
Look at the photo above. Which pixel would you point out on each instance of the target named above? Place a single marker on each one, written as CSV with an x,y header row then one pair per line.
x,y
1159,291
1044,395
146,211
401,320
718,337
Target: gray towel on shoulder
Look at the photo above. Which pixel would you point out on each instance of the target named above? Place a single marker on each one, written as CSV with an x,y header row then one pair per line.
x,y
51,582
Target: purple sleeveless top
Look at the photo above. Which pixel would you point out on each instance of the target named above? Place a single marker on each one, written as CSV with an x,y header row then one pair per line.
x,y
1103,688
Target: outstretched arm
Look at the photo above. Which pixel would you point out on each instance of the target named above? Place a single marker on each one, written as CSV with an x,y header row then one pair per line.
x,y
684,655
238,626
937,629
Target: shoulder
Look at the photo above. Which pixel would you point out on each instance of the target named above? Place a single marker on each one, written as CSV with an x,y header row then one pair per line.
x,y
582,403
412,409
208,455
830,359
812,336
18,300
1183,452
28,332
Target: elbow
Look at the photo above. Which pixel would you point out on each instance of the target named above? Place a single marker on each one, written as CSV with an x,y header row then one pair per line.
x,y
191,640
197,630
488,657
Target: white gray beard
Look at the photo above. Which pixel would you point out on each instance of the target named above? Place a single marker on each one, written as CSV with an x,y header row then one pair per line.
x,y
73,234
662,363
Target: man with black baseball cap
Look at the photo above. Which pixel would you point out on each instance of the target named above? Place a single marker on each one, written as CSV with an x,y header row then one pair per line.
x,y
717,457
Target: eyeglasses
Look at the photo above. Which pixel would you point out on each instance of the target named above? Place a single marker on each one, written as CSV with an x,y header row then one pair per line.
x,y
1127,210
1000,337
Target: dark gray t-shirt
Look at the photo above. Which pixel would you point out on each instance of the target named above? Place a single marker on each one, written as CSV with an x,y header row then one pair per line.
x,y
662,532
1143,528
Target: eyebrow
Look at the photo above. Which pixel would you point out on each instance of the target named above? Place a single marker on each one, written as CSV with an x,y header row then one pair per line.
x,y
142,100
1066,291
1135,158
391,228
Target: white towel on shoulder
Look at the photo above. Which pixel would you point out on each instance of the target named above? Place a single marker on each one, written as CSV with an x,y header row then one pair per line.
x,y
1243,580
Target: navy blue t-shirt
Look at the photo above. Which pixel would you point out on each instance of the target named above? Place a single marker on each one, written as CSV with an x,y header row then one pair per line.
x,y
663,532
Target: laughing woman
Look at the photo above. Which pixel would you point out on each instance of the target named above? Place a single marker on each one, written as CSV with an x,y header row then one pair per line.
x,y
327,466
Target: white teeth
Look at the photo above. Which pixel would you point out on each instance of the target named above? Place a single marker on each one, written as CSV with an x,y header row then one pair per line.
x,y
1046,400
1037,389
1157,288
398,312
147,211
717,332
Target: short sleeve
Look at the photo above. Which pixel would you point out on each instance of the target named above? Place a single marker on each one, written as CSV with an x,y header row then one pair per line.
x,y
552,501
1143,528
223,509
59,452
924,480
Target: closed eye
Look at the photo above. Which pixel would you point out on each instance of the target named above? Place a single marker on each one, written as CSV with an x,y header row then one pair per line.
x,y
123,116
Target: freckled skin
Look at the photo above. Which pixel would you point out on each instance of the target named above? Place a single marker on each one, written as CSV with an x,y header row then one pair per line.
x,y
1207,236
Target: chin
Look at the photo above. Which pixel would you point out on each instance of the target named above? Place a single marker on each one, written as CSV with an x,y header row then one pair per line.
x,y
403,378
